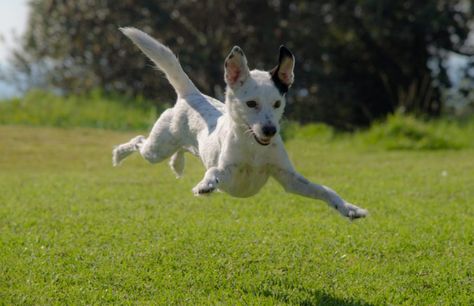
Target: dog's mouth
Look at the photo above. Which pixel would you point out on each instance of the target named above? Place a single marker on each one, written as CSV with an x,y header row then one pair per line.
x,y
260,141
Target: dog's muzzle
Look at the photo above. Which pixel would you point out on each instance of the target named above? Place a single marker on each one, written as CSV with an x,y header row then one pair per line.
x,y
260,141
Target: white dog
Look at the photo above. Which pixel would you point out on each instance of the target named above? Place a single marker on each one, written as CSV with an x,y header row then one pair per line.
x,y
238,141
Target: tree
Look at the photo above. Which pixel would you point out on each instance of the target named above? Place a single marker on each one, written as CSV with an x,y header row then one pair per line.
x,y
374,57
357,60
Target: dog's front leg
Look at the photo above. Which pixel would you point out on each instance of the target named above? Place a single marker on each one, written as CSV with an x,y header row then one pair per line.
x,y
213,177
295,183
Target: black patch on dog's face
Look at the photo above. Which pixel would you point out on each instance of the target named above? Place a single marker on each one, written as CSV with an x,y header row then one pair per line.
x,y
282,87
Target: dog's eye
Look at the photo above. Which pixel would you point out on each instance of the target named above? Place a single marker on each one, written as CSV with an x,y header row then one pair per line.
x,y
251,104
277,104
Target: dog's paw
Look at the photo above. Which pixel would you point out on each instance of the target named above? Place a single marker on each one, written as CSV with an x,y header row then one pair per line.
x,y
351,211
204,188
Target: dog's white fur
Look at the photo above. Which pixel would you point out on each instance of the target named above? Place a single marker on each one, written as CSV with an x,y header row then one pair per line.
x,y
238,141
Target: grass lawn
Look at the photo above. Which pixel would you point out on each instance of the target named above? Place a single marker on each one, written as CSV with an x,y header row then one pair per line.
x,y
74,230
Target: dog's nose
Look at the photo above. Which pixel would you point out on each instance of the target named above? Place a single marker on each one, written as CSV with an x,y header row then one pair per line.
x,y
269,130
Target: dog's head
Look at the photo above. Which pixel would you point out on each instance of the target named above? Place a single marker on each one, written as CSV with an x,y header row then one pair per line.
x,y
256,99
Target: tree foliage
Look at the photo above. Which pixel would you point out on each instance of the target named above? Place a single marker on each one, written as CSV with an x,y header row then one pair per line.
x,y
357,60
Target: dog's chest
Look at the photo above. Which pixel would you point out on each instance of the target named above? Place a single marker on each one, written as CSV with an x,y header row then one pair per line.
x,y
246,179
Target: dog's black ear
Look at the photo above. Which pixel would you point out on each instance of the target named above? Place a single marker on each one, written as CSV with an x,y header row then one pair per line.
x,y
236,69
282,74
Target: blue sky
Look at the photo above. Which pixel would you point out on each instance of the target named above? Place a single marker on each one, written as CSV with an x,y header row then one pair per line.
x,y
13,16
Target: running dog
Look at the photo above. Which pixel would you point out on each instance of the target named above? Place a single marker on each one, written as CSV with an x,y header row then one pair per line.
x,y
237,141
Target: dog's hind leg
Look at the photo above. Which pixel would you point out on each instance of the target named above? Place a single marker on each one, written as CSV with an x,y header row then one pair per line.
x,y
122,151
161,143
177,163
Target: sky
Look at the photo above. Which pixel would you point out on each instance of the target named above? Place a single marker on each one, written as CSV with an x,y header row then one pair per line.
x,y
13,16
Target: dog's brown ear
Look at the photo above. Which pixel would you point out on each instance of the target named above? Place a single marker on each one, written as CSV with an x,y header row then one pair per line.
x,y
236,69
282,74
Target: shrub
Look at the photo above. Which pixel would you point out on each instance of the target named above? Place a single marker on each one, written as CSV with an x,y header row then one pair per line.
x,y
403,132
93,110
312,131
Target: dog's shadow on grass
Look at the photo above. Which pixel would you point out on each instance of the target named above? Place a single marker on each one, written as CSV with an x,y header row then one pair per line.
x,y
286,292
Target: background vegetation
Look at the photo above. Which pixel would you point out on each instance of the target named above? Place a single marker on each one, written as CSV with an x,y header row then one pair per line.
x,y
40,108
357,60
76,230
96,110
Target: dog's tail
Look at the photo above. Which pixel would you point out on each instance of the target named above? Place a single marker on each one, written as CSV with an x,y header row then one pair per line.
x,y
164,58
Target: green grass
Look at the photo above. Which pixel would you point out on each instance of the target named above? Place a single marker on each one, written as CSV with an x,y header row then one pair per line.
x,y
74,230
406,132
39,108
96,110
396,132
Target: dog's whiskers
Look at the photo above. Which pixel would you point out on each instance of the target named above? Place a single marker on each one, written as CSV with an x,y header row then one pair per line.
x,y
248,131
234,165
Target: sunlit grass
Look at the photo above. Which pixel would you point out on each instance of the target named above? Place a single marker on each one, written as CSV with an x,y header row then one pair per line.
x,y
95,110
75,230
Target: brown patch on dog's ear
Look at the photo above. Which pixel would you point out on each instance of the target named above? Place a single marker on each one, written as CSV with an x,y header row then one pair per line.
x,y
282,75
236,69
